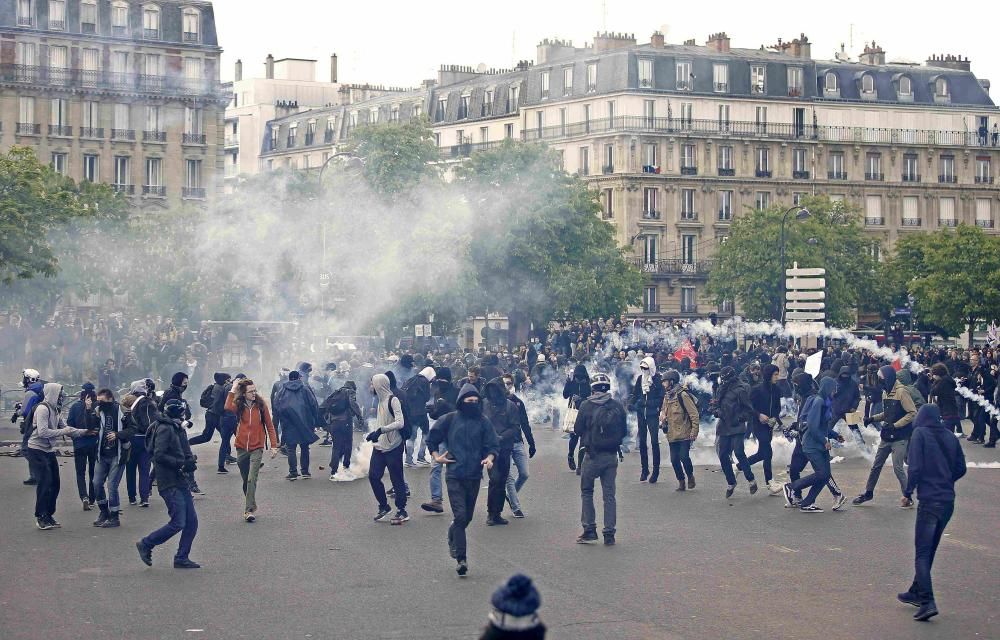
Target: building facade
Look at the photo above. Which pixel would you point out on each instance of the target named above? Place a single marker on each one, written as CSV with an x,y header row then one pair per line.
x,y
116,91
679,139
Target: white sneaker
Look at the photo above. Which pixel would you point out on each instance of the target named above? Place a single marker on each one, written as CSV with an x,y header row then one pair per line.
x,y
342,476
774,488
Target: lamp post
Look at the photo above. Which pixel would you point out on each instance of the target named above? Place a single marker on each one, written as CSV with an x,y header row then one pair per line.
x,y
801,213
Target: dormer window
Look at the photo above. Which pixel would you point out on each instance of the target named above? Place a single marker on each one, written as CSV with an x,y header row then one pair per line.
x,y
905,86
151,22
941,88
830,83
192,25
868,84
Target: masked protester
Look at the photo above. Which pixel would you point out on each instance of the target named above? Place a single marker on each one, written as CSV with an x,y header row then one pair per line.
x,y
114,436
733,409
647,400
576,390
601,425
387,452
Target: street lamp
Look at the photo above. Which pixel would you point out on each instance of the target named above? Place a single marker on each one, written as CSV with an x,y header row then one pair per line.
x,y
801,213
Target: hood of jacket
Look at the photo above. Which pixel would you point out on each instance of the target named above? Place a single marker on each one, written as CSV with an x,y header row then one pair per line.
x,y
220,378
380,382
580,373
905,377
294,386
50,393
428,373
928,416
827,386
468,390
766,372
496,393
649,362
888,375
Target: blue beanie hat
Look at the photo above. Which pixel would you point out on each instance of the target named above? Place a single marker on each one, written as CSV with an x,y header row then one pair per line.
x,y
517,599
174,409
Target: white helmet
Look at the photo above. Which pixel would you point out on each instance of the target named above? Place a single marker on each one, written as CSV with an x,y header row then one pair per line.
x,y
30,376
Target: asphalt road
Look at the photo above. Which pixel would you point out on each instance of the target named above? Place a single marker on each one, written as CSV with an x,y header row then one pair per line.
x,y
314,565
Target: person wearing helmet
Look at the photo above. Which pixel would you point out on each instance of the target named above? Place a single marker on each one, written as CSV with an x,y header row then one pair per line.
x,y
33,385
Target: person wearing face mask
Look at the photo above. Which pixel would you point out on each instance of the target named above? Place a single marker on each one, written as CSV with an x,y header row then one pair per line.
x,y
518,456
733,409
898,412
387,452
504,416
114,434
178,385
576,390
470,445
766,401
82,416
46,426
680,422
601,425
144,414
943,394
647,400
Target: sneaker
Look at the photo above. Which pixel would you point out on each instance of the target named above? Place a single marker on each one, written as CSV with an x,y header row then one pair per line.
x,y
644,476
863,498
383,514
497,520
906,503
989,445
186,564
248,516
408,465
400,517
518,513
144,503
926,611
960,435
292,476
774,488
810,509
571,462
753,488
112,522
326,443
691,484
420,462
609,539
653,477
462,569
391,493
86,504
30,482
587,537
221,470
305,475
910,598
132,501
789,495
341,476
434,506
681,486
196,490
52,522
43,524
839,502
230,460
729,490
145,553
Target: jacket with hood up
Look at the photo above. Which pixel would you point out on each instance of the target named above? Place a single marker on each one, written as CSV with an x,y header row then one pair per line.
x,y
48,423
934,458
388,415
341,407
171,453
467,438
298,413
943,395
733,399
847,395
578,385
503,414
898,408
817,414
645,402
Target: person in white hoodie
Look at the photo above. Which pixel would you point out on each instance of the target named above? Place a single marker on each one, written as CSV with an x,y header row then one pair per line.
x,y
47,425
387,451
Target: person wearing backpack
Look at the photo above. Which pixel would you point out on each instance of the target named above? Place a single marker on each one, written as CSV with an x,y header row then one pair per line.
x,y
733,408
114,435
445,401
214,419
339,411
934,463
601,425
254,434
168,446
417,393
679,420
144,413
297,410
33,394
387,451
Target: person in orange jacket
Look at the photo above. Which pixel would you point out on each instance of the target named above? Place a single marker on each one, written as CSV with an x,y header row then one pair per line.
x,y
254,433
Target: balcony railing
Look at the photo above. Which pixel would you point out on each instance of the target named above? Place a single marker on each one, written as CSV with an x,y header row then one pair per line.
x,y
683,85
650,308
689,308
650,168
28,128
191,36
947,222
984,179
751,129
25,21
193,138
984,224
290,142
763,173
725,216
467,149
948,179
689,171
836,175
720,87
874,177
800,175
150,34
650,215
911,222
57,25
101,79
91,132
194,193
727,172
123,134
119,31
127,189
154,191
675,267
911,177
689,216
60,130
154,136
874,221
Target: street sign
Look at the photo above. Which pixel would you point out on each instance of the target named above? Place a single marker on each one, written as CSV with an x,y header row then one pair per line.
x,y
805,328
805,283
805,295
805,306
805,315
805,273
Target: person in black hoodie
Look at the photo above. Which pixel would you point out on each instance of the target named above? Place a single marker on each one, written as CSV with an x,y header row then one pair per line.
x,y
507,421
766,401
576,390
647,400
172,458
519,458
178,385
934,463
846,399
144,414
444,402
981,382
339,411
213,416
733,409
471,444
942,393
601,425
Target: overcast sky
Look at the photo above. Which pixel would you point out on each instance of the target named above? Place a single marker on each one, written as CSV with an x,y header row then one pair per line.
x,y
401,42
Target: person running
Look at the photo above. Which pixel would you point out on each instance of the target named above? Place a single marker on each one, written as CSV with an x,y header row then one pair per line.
x,y
804,389
445,401
506,419
733,408
943,395
898,412
576,390
518,455
815,437
114,434
646,400
766,401
46,426
213,418
934,463
601,425
679,420
470,445
172,459
254,434
340,410
387,452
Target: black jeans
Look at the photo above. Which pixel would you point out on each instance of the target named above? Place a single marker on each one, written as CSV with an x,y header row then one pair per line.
x,y
303,457
816,480
137,470
497,491
648,425
44,468
763,434
932,518
798,463
462,495
84,460
211,424
343,442
183,520
680,459
733,445
393,461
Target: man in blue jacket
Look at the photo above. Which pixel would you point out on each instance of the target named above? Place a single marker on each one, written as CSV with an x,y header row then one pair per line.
x,y
934,463
815,437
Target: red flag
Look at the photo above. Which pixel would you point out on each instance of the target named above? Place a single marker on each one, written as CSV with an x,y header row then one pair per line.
x,y
687,351
896,364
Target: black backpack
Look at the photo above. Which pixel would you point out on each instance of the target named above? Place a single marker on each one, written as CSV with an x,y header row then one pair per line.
x,y
407,431
205,402
608,427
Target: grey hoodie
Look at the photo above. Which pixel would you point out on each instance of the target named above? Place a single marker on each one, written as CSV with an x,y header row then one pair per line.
x,y
389,421
49,423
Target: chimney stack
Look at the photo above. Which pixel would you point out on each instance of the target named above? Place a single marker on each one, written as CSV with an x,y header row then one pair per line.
x,y
718,42
950,61
333,68
608,41
656,40
873,56
239,71
269,67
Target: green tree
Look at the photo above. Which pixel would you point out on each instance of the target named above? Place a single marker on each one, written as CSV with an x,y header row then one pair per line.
x,y
748,268
396,157
539,247
35,203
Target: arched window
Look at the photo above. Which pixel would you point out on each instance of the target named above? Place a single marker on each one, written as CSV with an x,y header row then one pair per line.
x,y
868,84
830,81
192,24
905,86
150,22
941,87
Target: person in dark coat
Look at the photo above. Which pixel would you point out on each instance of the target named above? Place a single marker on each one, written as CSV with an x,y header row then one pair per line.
x,y
576,390
339,411
299,413
942,393
733,409
506,419
766,401
646,400
846,399
213,420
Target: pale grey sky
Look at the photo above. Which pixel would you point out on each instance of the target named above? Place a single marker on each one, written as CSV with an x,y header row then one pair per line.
x,y
402,42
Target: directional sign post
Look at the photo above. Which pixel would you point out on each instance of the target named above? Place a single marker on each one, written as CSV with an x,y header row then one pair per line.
x,y
805,297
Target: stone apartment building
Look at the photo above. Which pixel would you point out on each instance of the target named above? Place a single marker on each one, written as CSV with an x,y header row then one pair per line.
x,y
117,91
678,139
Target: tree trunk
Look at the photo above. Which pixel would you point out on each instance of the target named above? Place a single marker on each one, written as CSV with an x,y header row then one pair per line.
x,y
972,331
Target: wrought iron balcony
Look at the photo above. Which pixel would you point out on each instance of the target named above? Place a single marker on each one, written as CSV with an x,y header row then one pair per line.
x,y
123,134
984,224
193,193
28,128
675,267
911,177
763,173
114,80
689,308
608,169
912,222
873,177
127,189
60,130
689,171
193,138
947,222
310,138
25,21
154,136
57,25
190,36
650,215
800,175
874,221
724,172
91,132
650,308
154,191
948,179
836,175
689,216
725,216
984,179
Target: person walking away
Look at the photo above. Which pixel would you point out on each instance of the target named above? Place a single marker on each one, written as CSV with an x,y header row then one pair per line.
x,y
137,469
647,400
815,434
934,463
898,412
46,426
298,413
387,452
470,445
445,402
341,409
503,415
766,400
254,434
576,390
172,459
216,401
679,420
114,435
416,393
733,409
518,455
82,415
601,425
943,395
